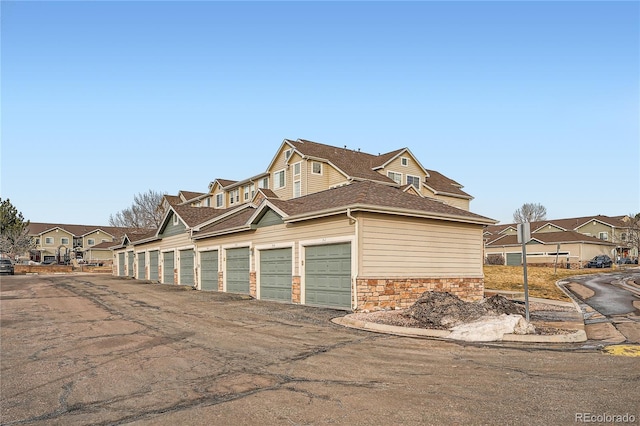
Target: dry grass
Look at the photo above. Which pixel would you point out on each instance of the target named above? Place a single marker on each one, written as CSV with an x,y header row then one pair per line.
x,y
542,281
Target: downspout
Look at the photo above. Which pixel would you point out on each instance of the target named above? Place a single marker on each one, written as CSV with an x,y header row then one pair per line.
x,y
354,304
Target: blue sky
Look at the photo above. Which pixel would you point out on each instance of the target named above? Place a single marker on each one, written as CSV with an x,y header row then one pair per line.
x,y
518,101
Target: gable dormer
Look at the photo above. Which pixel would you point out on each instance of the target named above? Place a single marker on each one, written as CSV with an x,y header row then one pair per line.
x,y
402,167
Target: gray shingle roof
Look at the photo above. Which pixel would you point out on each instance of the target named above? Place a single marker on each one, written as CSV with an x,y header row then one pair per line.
x,y
372,194
354,163
549,238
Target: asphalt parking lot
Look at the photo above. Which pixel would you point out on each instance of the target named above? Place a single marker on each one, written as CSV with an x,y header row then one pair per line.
x,y
95,349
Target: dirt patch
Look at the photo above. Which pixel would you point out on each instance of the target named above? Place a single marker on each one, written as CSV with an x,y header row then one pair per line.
x,y
444,310
439,310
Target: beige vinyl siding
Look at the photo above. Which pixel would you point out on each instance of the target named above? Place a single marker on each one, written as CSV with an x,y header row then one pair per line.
x,y
330,177
280,163
57,236
594,228
424,248
97,236
548,228
543,253
412,169
337,226
461,203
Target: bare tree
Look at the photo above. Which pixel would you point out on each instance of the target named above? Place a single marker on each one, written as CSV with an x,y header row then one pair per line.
x,y
633,232
530,212
146,212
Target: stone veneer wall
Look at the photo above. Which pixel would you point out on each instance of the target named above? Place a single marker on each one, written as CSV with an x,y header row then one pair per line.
x,y
376,294
295,289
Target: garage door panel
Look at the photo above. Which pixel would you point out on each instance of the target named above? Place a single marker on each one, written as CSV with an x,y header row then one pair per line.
x,y
168,266
514,259
141,266
238,270
209,267
328,275
275,274
186,267
153,265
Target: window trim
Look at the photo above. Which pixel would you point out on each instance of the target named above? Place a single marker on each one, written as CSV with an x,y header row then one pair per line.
x,y
49,241
220,199
297,185
404,161
263,183
605,234
417,179
234,196
91,242
62,241
313,165
298,166
389,172
276,181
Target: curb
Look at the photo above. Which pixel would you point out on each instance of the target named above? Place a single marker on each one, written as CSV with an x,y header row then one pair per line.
x,y
346,321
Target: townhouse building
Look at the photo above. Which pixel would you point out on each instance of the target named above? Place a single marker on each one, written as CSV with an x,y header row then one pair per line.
x,y
323,226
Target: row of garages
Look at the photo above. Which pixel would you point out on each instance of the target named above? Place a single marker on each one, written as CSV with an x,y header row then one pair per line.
x,y
325,269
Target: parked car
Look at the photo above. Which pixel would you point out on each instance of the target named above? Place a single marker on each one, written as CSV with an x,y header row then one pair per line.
x,y
602,261
6,267
50,262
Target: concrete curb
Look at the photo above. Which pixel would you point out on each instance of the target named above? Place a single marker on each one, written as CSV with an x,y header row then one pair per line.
x,y
348,321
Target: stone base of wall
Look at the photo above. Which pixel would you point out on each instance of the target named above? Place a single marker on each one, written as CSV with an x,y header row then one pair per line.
x,y
253,287
42,269
376,294
295,289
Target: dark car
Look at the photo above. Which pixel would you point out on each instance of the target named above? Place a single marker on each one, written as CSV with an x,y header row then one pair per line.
x,y
602,261
6,267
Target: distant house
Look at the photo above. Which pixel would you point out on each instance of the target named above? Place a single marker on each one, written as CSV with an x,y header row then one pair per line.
x,y
573,240
322,226
65,242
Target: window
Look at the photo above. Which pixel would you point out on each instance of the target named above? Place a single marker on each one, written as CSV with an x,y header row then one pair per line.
x,y
234,196
37,241
404,161
316,168
296,169
623,237
219,200
91,241
64,241
296,189
396,177
48,241
264,183
604,236
279,179
246,193
207,202
287,154
413,180
175,219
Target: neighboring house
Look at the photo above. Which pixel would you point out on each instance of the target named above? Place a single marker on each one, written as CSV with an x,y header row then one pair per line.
x,y
64,242
572,240
322,226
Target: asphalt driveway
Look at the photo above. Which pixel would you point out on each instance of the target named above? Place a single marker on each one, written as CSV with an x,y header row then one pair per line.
x,y
92,349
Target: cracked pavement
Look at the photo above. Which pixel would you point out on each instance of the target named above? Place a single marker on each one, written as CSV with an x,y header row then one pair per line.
x,y
100,350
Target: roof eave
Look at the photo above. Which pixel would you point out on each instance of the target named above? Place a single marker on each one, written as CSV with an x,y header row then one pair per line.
x,y
223,232
388,210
